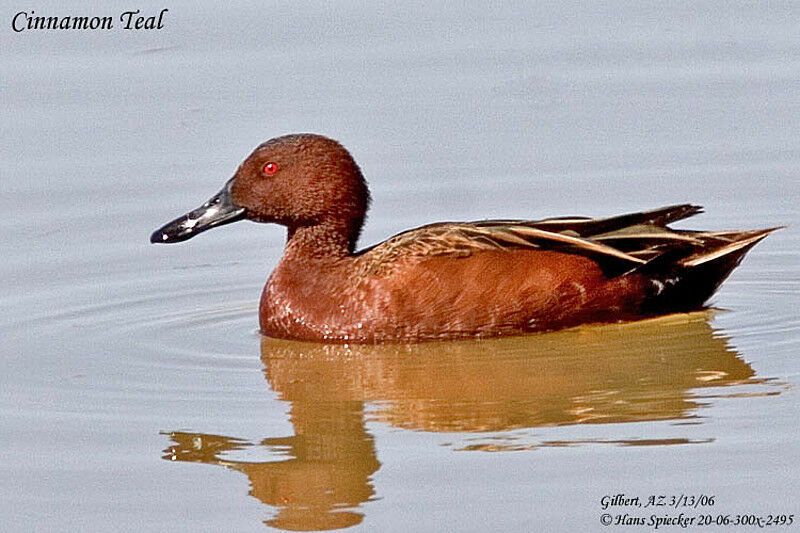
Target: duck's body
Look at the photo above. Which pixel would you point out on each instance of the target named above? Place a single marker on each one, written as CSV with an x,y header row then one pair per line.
x,y
452,280
431,298
489,278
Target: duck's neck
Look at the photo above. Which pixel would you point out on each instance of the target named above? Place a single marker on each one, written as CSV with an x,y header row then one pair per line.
x,y
320,241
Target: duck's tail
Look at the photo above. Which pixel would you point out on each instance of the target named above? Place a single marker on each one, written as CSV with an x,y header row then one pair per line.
x,y
686,283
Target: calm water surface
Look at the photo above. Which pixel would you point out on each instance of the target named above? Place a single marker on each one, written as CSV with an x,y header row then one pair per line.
x,y
136,393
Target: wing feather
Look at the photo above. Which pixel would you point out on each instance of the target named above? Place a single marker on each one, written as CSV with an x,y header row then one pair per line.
x,y
618,244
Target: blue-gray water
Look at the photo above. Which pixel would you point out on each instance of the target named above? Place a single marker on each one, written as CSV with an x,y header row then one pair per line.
x,y
136,393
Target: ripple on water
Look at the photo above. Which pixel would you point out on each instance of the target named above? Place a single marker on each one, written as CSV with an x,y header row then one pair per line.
x,y
127,346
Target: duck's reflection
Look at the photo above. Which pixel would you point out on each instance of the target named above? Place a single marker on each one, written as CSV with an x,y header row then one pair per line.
x,y
621,373
331,459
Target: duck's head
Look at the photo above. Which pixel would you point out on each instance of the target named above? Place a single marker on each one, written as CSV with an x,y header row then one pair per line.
x,y
295,180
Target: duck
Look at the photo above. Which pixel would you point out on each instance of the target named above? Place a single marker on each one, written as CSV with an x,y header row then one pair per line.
x,y
451,280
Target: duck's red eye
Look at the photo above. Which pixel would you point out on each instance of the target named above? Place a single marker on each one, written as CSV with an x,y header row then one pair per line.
x,y
270,169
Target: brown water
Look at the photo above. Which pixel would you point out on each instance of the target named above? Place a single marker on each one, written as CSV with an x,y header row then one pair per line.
x,y
136,393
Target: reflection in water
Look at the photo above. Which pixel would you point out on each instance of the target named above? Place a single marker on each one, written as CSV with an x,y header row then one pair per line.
x,y
331,459
618,373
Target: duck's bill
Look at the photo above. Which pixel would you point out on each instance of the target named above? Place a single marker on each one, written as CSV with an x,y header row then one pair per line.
x,y
218,210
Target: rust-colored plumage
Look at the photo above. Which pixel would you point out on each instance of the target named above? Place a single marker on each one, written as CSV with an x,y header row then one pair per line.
x,y
452,279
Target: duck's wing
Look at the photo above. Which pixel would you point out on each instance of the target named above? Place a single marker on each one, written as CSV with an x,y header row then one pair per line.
x,y
618,244
588,227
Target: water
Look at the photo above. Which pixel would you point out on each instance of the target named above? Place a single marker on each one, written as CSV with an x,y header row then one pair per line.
x,y
137,394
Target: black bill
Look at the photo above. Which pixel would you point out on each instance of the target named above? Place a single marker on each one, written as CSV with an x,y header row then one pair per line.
x,y
218,210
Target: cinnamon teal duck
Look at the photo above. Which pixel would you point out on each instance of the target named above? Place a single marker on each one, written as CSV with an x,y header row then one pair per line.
x,y
452,279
